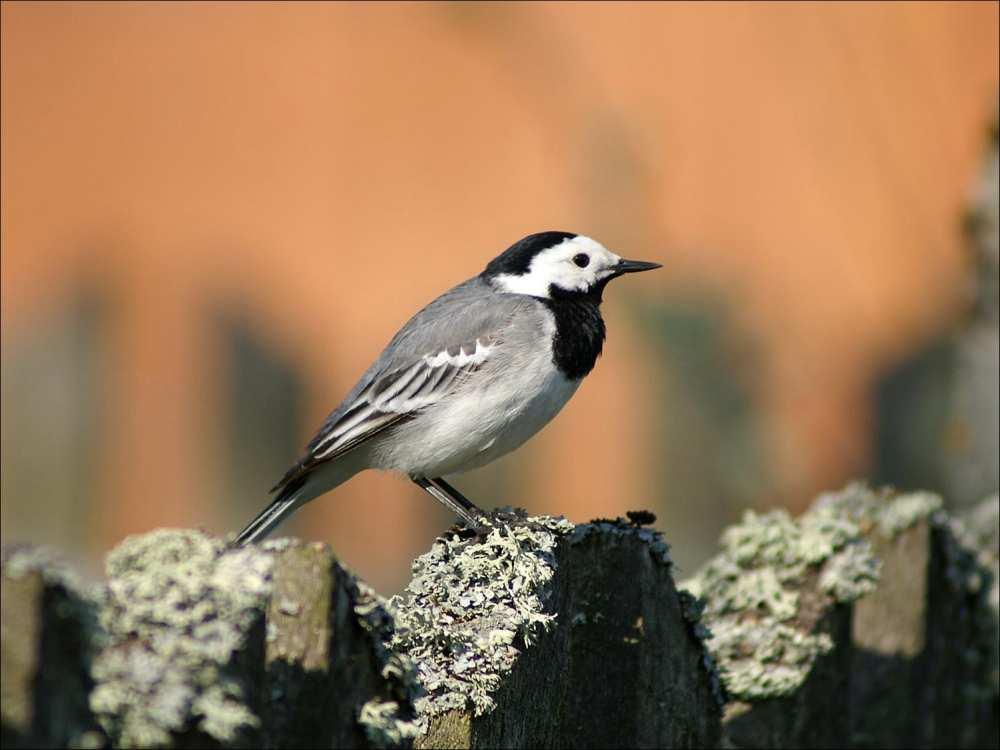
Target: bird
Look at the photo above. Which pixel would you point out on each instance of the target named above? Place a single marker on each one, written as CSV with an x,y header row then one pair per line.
x,y
468,379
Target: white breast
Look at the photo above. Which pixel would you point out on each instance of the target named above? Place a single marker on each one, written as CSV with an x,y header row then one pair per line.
x,y
551,395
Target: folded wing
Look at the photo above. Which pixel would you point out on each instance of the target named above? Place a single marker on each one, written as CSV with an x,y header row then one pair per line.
x,y
394,397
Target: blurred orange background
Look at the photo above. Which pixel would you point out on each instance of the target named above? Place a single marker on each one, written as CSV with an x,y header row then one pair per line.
x,y
215,215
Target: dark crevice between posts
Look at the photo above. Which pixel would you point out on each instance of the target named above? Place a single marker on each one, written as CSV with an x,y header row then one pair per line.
x,y
548,635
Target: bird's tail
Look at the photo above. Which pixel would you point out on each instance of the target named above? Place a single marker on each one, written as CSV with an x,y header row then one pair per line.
x,y
268,519
295,494
266,522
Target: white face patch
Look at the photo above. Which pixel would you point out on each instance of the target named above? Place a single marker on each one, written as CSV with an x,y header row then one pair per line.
x,y
556,265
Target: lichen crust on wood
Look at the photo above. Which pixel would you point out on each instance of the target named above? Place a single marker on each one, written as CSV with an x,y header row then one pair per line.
x,y
767,591
177,608
467,604
207,644
919,678
584,619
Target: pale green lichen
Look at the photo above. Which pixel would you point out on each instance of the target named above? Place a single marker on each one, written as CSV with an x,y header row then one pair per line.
x,y
982,527
474,605
850,574
387,723
753,590
906,510
884,509
768,660
19,561
178,607
471,607
385,726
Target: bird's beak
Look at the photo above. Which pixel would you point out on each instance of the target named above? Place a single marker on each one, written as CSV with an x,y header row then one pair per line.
x,y
634,266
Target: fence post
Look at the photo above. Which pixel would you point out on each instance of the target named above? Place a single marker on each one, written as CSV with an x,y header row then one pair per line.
x,y
778,605
200,645
925,641
870,621
48,622
548,635
331,681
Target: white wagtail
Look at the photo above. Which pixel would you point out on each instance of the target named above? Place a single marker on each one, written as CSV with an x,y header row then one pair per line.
x,y
468,379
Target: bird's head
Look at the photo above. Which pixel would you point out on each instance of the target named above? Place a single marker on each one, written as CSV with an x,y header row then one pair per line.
x,y
558,264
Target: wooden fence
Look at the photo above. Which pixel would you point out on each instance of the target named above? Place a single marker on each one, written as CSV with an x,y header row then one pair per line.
x,y
870,621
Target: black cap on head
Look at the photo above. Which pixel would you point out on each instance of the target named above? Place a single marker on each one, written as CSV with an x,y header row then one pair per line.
x,y
516,259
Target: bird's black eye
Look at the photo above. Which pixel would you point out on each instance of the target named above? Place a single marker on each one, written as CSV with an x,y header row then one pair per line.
x,y
581,259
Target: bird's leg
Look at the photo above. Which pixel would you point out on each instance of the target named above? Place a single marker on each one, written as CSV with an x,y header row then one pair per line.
x,y
470,507
452,499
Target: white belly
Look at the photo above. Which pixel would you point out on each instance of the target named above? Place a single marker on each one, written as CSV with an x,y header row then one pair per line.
x,y
478,424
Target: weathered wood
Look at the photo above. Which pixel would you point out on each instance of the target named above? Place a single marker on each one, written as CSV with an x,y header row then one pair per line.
x,y
923,640
778,605
47,620
548,635
330,680
870,621
955,697
278,646
889,631
184,642
21,620
979,532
